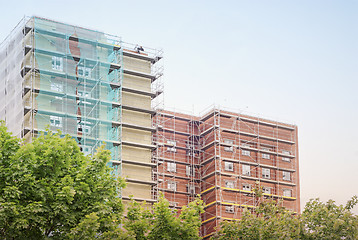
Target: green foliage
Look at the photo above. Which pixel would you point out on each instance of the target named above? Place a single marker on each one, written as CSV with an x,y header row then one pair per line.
x,y
50,190
267,221
163,222
48,186
329,221
270,221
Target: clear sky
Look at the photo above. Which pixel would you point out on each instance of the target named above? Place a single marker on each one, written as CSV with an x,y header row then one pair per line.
x,y
294,61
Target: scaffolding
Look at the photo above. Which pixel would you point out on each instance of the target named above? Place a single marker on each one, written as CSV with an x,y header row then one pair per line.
x,y
85,83
228,151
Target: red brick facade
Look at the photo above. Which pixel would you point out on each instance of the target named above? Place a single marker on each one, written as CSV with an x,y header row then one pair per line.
x,y
221,156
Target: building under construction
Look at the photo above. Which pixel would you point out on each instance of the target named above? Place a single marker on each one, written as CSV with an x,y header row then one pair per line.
x,y
222,156
100,89
88,84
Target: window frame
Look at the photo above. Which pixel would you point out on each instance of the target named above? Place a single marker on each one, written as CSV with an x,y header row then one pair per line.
x,y
231,183
230,142
172,147
285,191
266,173
286,175
171,167
227,166
172,185
245,152
246,187
245,169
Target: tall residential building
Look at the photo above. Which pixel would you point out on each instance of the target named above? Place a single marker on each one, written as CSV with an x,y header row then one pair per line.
x,y
99,89
88,84
223,156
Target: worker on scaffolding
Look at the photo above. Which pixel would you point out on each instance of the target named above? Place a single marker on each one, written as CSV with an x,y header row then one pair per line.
x,y
138,49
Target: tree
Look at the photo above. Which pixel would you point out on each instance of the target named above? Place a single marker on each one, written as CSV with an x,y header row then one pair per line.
x,y
330,221
48,187
318,221
267,221
162,222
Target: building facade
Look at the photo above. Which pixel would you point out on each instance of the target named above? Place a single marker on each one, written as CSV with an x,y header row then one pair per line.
x,y
99,89
88,84
223,156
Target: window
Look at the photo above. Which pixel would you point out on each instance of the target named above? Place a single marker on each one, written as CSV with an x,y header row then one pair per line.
x,y
230,209
229,166
265,156
266,173
287,192
246,170
57,87
84,71
229,184
171,167
286,159
286,176
86,150
190,171
191,188
55,121
172,185
173,204
57,63
83,94
229,148
246,187
245,152
81,127
286,152
172,146
266,190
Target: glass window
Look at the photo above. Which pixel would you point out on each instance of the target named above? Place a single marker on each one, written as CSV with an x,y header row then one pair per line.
x,y
171,167
172,185
172,144
230,209
229,184
84,71
265,156
246,187
286,152
245,152
266,173
55,121
229,166
57,63
266,190
190,171
191,188
287,192
57,87
229,148
286,176
246,170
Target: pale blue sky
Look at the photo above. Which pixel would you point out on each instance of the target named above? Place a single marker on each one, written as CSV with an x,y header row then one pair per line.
x,y
295,61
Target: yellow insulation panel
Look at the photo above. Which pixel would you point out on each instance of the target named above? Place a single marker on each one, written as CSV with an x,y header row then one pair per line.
x,y
136,154
139,83
136,136
137,118
137,172
136,100
137,190
136,64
